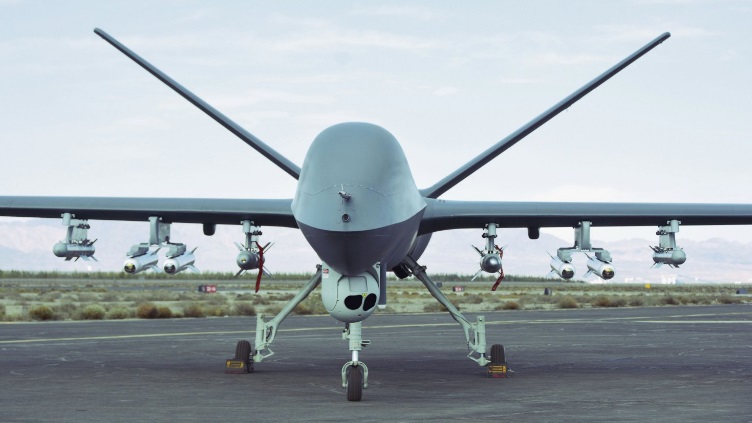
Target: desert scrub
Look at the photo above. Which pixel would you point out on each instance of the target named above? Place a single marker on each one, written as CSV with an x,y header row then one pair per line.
x,y
509,305
41,312
311,306
194,310
260,300
244,309
435,306
86,297
636,302
92,312
147,311
568,302
244,297
606,301
164,312
110,298
217,311
281,297
50,297
669,300
728,299
473,299
119,314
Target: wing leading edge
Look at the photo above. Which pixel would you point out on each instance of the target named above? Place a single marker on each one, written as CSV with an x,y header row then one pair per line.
x,y
482,159
441,215
266,212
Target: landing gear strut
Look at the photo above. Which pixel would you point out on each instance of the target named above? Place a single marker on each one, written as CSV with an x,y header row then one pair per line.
x,y
267,331
475,333
355,372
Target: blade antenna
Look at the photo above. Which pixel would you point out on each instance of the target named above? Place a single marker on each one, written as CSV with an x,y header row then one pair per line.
x,y
285,164
470,167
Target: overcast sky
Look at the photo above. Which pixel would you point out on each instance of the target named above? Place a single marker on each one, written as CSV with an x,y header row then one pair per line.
x,y
448,79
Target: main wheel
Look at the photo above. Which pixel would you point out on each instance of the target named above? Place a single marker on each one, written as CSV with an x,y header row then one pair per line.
x,y
354,384
243,352
497,354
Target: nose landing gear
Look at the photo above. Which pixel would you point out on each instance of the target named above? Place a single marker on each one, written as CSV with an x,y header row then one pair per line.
x,y
355,372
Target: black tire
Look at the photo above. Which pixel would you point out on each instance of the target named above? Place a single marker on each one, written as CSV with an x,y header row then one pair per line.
x,y
354,384
243,352
498,356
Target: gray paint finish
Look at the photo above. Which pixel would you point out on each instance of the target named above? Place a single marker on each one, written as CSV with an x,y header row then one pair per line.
x,y
357,202
443,215
366,163
270,212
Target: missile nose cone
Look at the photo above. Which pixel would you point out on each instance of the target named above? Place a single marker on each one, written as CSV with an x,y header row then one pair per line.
x,y
169,268
129,268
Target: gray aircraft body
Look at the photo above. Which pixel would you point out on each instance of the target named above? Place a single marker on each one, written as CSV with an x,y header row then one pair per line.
x,y
358,206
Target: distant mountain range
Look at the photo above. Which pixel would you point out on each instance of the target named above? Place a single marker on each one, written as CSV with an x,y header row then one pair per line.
x,y
28,246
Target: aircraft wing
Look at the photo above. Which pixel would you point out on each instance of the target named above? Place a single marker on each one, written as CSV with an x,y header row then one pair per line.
x,y
443,215
271,212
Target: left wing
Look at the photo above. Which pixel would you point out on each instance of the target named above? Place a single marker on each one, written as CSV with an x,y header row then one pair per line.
x,y
443,215
271,212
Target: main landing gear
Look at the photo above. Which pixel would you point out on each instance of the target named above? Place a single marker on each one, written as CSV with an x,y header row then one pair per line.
x,y
475,333
355,372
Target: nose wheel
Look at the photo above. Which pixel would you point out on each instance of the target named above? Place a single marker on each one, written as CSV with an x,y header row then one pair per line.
x,y
354,372
353,380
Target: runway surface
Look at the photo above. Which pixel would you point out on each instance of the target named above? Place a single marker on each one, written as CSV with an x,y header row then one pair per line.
x,y
628,364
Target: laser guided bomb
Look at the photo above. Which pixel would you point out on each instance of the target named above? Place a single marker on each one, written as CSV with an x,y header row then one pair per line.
x,y
600,265
140,258
178,259
564,269
602,269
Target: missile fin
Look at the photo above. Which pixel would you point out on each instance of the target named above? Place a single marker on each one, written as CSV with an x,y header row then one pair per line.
x,y
476,275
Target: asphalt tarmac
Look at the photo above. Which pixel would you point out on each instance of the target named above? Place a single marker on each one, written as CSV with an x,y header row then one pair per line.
x,y
628,364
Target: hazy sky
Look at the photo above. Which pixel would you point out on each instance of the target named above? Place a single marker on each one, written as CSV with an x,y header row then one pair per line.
x,y
448,79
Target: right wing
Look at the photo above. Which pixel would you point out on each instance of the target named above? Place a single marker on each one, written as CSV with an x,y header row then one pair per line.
x,y
441,215
270,212
483,158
